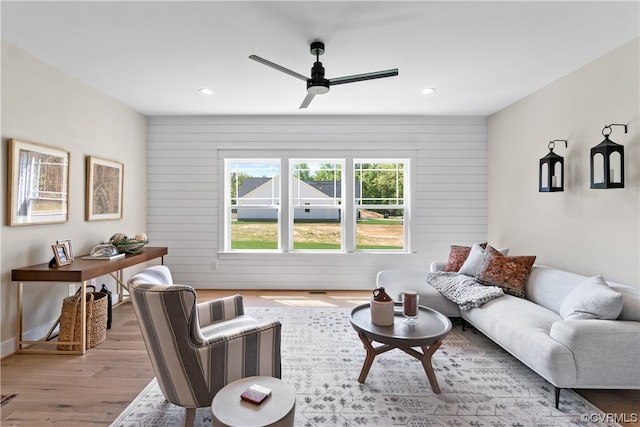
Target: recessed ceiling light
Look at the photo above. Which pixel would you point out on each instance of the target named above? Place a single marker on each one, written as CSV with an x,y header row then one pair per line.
x,y
428,91
206,91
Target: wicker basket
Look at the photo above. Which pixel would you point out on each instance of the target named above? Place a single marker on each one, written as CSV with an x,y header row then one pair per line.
x,y
96,320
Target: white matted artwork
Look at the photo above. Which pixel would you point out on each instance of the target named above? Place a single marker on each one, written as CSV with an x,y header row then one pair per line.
x,y
38,190
105,183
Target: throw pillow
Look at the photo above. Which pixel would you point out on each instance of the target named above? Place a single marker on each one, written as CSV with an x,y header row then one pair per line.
x,y
508,272
471,265
593,299
457,256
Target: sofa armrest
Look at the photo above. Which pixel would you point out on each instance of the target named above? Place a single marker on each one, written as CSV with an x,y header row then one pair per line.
x,y
220,309
438,266
606,352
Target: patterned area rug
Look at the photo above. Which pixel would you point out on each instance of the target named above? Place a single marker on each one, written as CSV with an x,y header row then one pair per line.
x,y
482,385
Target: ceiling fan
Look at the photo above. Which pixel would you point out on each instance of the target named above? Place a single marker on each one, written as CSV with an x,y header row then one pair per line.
x,y
318,84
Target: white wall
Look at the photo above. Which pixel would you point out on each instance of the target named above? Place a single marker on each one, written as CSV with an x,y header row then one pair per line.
x,y
585,231
43,105
185,175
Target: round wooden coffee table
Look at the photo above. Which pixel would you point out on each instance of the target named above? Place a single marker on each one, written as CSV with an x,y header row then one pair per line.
x,y
427,334
229,410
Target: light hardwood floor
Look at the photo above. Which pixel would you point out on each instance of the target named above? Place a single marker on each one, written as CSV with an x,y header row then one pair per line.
x,y
94,388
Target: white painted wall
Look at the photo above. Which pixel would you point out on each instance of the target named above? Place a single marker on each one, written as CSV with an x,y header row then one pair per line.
x,y
185,175
43,105
582,230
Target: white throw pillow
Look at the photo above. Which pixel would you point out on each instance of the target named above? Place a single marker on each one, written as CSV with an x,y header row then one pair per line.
x,y
474,261
593,299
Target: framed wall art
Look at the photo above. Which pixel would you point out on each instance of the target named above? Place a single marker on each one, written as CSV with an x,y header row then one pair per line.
x,y
105,183
38,184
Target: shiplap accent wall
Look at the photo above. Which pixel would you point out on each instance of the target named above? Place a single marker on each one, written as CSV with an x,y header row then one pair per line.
x,y
185,172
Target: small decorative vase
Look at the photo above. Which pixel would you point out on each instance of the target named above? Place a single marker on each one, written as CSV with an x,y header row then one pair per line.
x,y
381,308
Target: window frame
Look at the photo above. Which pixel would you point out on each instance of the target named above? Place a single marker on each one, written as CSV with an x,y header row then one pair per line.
x,y
310,206
286,207
405,206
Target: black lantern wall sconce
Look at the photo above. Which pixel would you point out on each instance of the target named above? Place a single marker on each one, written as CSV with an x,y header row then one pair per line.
x,y
551,171
607,162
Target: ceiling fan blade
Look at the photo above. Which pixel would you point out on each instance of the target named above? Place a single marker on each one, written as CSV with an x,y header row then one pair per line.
x,y
278,67
363,77
307,100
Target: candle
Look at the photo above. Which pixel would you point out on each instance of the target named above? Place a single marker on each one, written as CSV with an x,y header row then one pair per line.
x,y
554,181
410,305
612,175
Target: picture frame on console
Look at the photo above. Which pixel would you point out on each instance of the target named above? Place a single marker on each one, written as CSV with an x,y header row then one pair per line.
x,y
38,186
104,189
61,255
68,247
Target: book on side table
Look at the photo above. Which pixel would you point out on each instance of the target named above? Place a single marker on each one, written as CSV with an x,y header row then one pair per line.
x,y
256,394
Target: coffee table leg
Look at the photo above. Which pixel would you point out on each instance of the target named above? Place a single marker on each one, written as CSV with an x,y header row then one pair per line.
x,y
428,367
368,361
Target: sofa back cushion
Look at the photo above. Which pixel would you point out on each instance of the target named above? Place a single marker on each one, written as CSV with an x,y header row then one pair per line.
x,y
631,301
548,287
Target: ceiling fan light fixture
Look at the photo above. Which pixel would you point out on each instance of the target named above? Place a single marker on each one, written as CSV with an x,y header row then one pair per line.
x,y
318,90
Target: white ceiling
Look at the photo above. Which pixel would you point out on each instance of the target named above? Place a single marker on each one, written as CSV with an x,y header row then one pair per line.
x,y
480,56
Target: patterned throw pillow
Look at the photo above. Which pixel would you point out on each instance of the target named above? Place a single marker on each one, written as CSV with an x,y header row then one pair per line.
x,y
508,272
457,256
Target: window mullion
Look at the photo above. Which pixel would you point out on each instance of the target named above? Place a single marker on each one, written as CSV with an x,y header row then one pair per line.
x,y
285,213
348,203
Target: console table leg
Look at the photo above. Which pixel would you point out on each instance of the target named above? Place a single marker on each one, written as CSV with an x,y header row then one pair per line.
x,y
428,367
19,318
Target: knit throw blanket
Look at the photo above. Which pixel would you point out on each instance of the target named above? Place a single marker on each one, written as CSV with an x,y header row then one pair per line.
x,y
463,290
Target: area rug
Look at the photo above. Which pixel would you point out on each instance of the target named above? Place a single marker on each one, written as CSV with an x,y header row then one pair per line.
x,y
481,384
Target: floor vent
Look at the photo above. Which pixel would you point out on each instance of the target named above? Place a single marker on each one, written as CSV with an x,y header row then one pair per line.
x,y
318,292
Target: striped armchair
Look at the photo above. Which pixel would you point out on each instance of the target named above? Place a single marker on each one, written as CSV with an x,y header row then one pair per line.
x,y
196,349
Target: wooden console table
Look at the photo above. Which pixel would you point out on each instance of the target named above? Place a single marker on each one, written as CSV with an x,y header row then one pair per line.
x,y
79,271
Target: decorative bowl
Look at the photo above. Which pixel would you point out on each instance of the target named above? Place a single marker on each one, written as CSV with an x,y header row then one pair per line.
x,y
130,246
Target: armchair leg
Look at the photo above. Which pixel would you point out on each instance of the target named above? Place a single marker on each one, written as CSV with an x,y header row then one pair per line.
x,y
189,417
557,392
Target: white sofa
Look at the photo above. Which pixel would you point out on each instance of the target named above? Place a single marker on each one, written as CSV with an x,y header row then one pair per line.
x,y
593,353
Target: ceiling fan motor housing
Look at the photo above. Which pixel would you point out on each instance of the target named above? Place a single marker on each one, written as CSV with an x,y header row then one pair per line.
x,y
317,84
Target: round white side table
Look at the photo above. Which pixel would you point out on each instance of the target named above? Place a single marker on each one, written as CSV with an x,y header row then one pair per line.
x,y
277,410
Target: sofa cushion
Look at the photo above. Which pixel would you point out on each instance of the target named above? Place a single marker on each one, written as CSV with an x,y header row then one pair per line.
x,y
593,299
508,272
522,328
548,286
631,301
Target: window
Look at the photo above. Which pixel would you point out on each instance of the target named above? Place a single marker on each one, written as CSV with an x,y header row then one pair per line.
x,y
380,205
316,203
321,205
253,209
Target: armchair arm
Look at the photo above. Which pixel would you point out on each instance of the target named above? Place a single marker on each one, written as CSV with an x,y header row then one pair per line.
x,y
220,309
252,350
